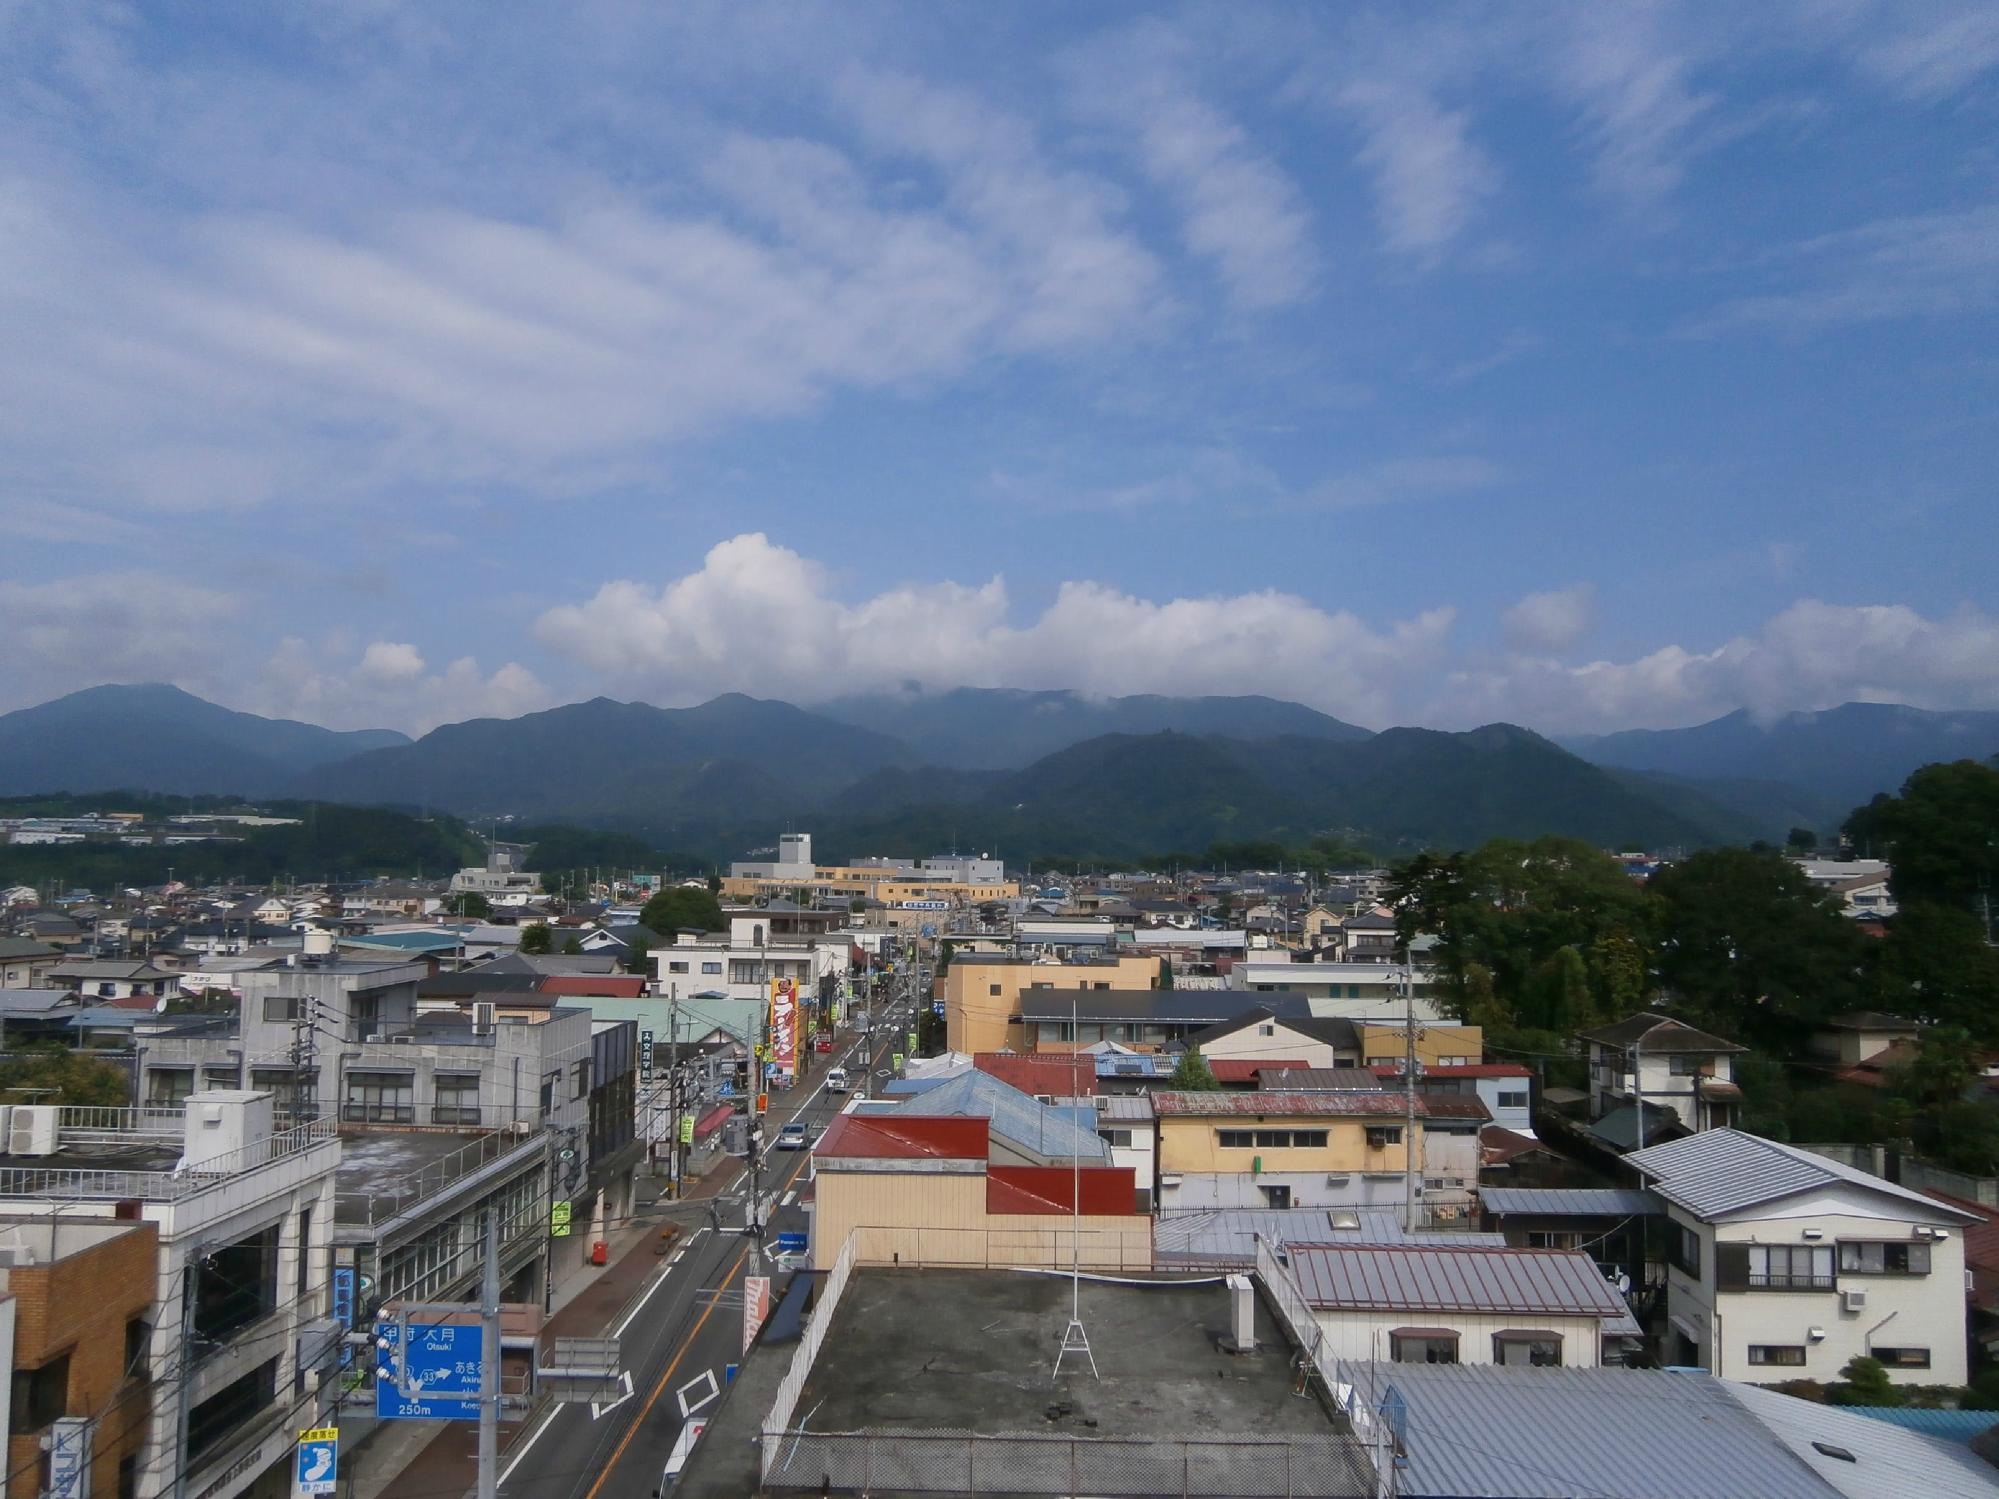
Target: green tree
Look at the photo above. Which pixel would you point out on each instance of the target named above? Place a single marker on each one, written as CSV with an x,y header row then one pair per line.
x,y
1802,841
1191,1074
468,903
1165,980
1620,977
856,906
536,939
52,1073
1935,965
681,908
715,885
1752,949
572,946
1224,907
1865,1382
1941,835
1557,997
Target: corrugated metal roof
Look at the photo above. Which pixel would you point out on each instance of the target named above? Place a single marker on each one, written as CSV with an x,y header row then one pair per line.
x,y
1381,1105
1428,1278
1124,1107
1722,1171
1569,1202
1245,1069
1949,1426
1230,1234
1321,1080
1889,1462
1036,1127
1480,1431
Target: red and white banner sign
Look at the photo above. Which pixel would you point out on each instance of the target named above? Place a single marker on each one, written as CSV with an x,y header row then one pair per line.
x,y
756,1307
784,1027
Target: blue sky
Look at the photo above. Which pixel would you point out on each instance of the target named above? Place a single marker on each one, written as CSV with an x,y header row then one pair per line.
x,y
1584,366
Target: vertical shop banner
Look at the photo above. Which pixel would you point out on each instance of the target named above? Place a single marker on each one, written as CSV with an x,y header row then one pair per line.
x,y
756,1307
784,1027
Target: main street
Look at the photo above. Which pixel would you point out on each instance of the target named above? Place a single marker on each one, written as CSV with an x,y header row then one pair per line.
x,y
685,1328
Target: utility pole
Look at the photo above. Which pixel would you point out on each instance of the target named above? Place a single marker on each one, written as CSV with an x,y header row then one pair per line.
x,y
489,1360
1410,1179
674,1164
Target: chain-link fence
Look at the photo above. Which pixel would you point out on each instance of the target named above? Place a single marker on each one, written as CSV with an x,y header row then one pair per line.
x,y
961,1462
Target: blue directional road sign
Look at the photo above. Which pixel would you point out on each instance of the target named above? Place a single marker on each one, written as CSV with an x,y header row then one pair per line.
x,y
318,1470
442,1357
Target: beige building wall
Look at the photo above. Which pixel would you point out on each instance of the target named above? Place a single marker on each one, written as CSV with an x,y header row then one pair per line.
x,y
1189,1145
1365,1334
848,881
982,999
935,1218
1282,1045
1436,1045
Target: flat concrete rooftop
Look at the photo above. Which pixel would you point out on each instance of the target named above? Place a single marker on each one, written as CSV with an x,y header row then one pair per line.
x,y
974,1350
384,1170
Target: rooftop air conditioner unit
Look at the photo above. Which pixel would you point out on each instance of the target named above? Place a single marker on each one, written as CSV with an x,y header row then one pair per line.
x,y
520,1129
32,1130
1853,1301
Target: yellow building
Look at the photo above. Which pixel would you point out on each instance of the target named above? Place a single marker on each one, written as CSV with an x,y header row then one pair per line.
x,y
1333,1149
982,993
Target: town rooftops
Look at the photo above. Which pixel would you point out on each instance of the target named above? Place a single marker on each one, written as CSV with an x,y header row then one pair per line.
x,y
1278,1078
1245,1069
1723,1171
1870,1020
1658,1033
1229,1235
1330,1030
898,1136
16,949
1432,1278
594,985
1036,1128
1468,1070
109,969
1056,1074
1381,1105
1164,1006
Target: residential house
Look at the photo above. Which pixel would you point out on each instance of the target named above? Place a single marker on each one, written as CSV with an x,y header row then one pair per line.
x,y
1666,1063
129,982
1505,1088
1861,1036
24,962
1125,1123
1787,1265
1433,1304
1262,1149
1289,1034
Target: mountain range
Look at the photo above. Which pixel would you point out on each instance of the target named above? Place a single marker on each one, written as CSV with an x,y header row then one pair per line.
x,y
1028,773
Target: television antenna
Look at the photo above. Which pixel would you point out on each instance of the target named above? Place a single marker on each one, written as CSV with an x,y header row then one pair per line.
x,y
1074,1338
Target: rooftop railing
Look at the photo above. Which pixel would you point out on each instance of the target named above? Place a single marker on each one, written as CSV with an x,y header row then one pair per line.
x,y
379,1201
175,1184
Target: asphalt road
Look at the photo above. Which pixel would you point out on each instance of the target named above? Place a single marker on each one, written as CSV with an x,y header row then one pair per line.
x,y
679,1338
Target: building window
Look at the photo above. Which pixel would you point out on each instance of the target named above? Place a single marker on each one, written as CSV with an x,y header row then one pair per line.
x,y
457,1098
1790,1267
1117,1138
1423,1345
169,1087
714,968
579,1077
1686,1250
1903,1358
1690,1064
1551,1238
380,1098
1540,1350
1266,1030
215,1075
1781,1355
1276,1195
1270,1139
680,967
292,1091
229,1407
41,1395
550,1081
137,1333
1513,1100
1381,1136
1898,1258
281,1007
993,990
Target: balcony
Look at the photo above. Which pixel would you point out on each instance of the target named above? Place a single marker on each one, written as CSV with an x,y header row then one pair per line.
x,y
1792,1282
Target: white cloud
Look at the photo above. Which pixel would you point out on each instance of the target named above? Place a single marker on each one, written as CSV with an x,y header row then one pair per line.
x,y
1553,621
1933,265
390,686
1630,72
1429,176
1812,655
1238,208
758,617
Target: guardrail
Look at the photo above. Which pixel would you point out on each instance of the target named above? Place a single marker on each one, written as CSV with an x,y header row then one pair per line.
x,y
779,1419
380,1201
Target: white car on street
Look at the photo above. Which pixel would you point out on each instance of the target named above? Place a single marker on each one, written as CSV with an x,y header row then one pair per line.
x,y
794,1136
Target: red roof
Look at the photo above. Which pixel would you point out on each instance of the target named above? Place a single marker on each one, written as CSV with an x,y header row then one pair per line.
x,y
594,985
1245,1069
713,1120
1057,1074
903,1137
1981,1248
1499,1145
1107,1191
1463,1069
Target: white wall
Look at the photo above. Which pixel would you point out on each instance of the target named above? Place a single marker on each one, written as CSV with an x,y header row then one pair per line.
x,y
1365,1334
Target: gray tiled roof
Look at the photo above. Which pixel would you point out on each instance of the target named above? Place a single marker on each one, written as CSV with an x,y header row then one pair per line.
x,y
1723,1171
1658,1033
1524,1433
1038,1127
1427,1278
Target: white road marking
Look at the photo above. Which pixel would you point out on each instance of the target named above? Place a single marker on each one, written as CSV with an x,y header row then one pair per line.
x,y
714,1392
532,1437
787,1198
599,1411
640,1305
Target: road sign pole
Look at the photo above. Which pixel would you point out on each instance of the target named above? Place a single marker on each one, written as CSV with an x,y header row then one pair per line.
x,y
489,1360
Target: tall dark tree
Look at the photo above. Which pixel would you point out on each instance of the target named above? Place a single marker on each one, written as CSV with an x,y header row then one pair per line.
x,y
1752,948
536,939
1935,965
1941,835
468,903
682,908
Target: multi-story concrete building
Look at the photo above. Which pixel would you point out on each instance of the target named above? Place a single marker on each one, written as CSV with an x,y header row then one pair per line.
x,y
82,1301
982,993
242,1204
1786,1265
